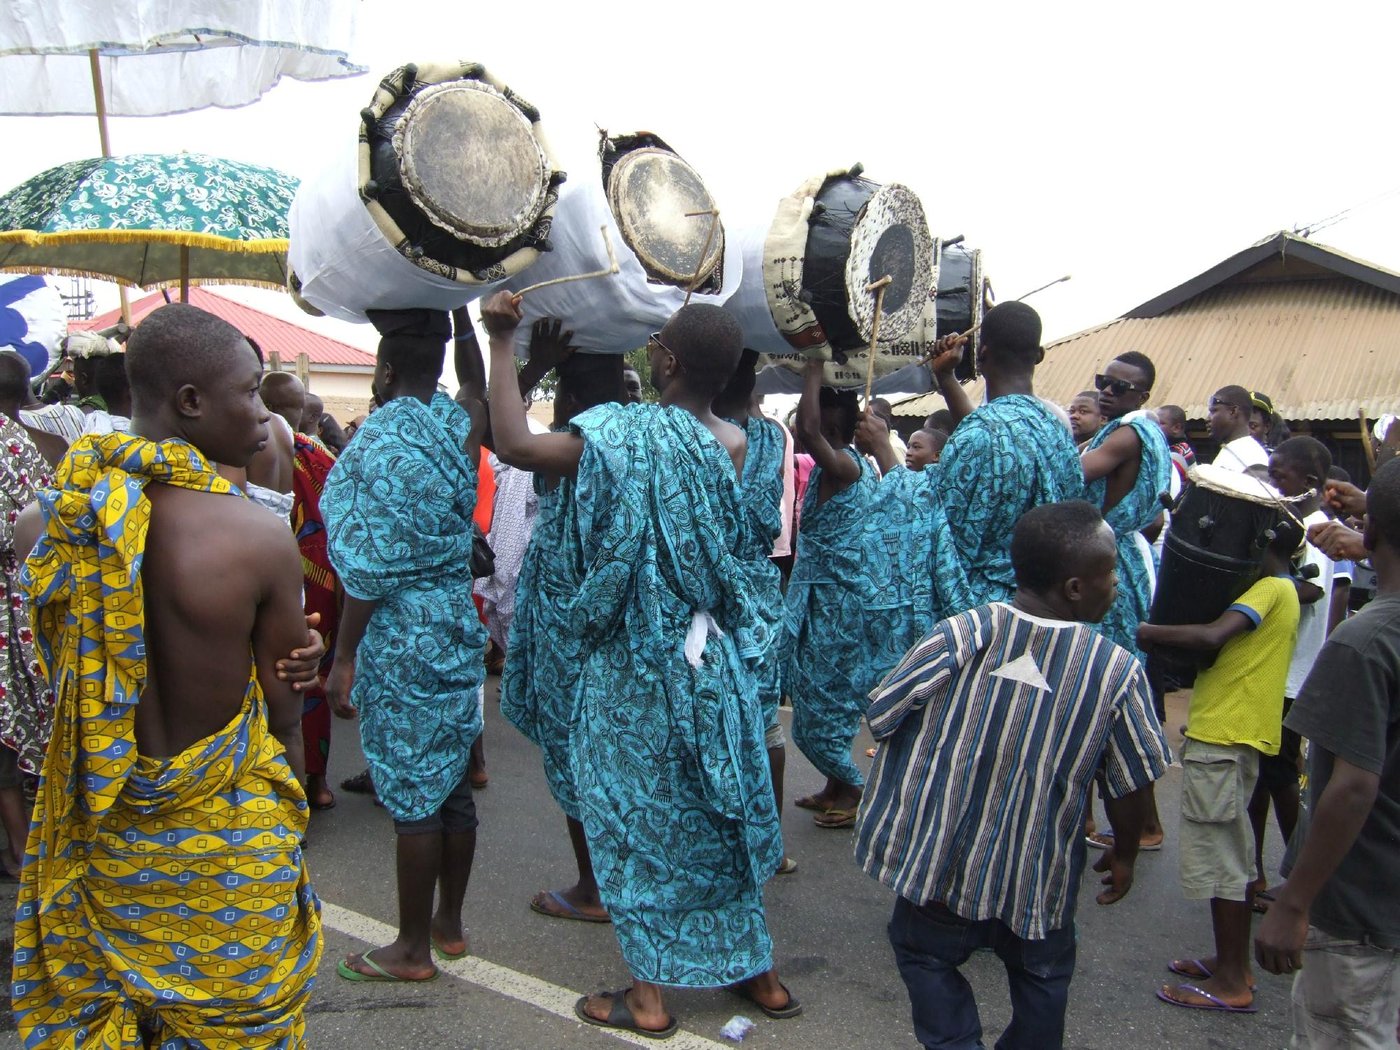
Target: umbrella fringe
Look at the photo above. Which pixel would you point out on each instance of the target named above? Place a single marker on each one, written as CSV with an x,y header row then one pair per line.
x,y
35,239
174,282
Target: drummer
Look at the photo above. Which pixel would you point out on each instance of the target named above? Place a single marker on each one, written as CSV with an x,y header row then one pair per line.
x,y
1231,409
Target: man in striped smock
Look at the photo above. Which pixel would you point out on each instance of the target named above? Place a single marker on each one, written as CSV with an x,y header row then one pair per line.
x,y
992,729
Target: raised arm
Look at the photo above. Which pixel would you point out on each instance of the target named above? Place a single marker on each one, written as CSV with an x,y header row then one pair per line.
x,y
278,628
471,377
556,454
549,348
836,466
873,439
949,352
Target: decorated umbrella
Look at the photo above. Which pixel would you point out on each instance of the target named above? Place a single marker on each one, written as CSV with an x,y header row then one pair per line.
x,y
33,320
151,220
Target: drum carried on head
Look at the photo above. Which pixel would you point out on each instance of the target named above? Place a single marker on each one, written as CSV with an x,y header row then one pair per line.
x,y
450,192
805,277
1221,525
668,239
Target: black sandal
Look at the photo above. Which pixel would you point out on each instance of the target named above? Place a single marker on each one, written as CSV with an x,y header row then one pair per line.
x,y
620,1017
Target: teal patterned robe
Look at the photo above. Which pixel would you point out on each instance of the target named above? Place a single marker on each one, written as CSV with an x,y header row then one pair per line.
x,y
762,494
668,757
1134,512
834,579
398,510
544,654
1008,456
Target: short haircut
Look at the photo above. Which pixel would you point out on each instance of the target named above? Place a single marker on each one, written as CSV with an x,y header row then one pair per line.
x,y
738,392
941,420
1143,363
1092,395
1308,453
414,357
1047,545
937,438
883,409
1012,330
1383,504
707,341
176,345
848,408
1336,473
113,384
590,380
1172,415
14,378
1237,396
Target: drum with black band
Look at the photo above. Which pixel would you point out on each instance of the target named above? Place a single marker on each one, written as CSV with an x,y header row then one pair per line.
x,y
450,191
667,236
964,296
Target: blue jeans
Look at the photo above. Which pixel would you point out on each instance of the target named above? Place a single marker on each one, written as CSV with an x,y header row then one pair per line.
x,y
930,943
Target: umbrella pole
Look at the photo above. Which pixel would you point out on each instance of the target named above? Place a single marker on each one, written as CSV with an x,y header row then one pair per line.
x,y
101,105
184,273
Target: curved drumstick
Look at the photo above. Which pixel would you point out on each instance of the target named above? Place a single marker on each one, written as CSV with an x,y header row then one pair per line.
x,y
610,271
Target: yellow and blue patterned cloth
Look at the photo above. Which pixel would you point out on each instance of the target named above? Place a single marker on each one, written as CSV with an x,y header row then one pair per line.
x,y
161,898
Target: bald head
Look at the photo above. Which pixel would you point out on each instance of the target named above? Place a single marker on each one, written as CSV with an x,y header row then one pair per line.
x,y
284,395
311,415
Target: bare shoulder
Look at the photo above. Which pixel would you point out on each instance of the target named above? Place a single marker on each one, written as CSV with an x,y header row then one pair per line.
x,y
226,526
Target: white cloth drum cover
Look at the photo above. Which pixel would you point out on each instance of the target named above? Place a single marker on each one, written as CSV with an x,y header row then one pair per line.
x,y
654,189
449,192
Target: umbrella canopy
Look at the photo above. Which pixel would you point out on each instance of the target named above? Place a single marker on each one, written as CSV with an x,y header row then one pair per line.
x,y
33,320
151,220
156,57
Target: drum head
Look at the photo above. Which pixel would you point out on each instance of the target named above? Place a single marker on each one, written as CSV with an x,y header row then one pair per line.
x,y
891,237
1235,485
485,196
652,192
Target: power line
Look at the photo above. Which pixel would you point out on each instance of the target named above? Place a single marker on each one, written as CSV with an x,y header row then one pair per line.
x,y
1331,220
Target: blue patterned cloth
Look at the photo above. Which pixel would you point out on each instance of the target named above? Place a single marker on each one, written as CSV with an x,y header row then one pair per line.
x,y
834,579
398,511
1008,456
762,494
544,654
668,758
1134,512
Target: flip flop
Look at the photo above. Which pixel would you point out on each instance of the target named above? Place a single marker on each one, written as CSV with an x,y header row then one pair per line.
x,y
1213,1002
777,1013
322,805
787,867
1104,840
360,783
620,1017
569,912
835,818
809,802
447,956
380,974
1201,973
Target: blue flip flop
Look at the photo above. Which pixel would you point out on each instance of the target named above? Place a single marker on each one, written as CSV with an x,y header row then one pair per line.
x,y
1212,1002
568,910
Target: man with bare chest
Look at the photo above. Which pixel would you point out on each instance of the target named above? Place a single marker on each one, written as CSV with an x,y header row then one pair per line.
x,y
165,896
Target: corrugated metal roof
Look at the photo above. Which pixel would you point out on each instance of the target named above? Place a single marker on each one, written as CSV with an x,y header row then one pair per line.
x,y
1321,348
271,333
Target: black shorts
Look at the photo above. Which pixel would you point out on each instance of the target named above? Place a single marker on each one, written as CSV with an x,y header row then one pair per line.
x,y
1276,772
457,814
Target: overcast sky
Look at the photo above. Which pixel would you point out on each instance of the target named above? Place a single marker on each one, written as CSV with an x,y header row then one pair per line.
x,y
1131,145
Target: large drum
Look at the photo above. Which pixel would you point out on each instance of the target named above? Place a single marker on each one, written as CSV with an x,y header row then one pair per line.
x,y
449,191
805,274
661,222
1221,524
964,296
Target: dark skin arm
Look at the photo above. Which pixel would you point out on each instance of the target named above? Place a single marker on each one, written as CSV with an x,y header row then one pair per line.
x,y
354,618
948,353
1341,813
471,374
549,347
556,454
1345,498
1337,541
839,471
873,439
1202,636
1116,459
280,618
1128,816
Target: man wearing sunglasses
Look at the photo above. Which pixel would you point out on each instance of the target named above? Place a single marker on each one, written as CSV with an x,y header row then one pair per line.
x,y
1231,409
1127,466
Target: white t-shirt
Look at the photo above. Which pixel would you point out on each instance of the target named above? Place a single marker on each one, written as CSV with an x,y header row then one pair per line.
x,y
1312,619
1241,454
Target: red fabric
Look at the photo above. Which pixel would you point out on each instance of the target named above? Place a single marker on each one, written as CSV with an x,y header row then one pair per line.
x,y
485,507
321,588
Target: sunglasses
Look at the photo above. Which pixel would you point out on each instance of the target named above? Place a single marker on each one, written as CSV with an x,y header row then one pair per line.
x,y
1117,387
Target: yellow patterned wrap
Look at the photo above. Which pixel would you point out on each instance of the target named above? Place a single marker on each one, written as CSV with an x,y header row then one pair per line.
x,y
162,899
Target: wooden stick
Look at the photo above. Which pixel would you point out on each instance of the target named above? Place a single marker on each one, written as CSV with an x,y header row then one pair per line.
x,y
184,273
696,281
1366,448
100,105
975,328
878,287
610,271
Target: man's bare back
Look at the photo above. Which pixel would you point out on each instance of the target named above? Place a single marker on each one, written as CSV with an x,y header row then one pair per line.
x,y
221,577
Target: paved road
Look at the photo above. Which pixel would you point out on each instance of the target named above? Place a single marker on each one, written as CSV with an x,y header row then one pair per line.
x,y
516,993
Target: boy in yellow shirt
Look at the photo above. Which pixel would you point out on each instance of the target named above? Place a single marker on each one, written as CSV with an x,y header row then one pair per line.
x,y
1236,715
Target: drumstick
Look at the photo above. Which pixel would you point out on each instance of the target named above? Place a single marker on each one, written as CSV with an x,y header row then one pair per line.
x,y
696,281
879,289
971,331
612,269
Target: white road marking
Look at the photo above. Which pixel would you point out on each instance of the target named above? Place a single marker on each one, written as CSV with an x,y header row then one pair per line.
x,y
499,979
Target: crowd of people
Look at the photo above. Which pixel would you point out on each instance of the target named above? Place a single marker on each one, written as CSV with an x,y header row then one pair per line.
x,y
656,579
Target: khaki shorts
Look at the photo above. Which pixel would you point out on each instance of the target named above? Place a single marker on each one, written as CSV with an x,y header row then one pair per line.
x,y
1217,840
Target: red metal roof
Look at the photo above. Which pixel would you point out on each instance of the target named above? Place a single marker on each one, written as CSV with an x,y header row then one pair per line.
x,y
271,333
